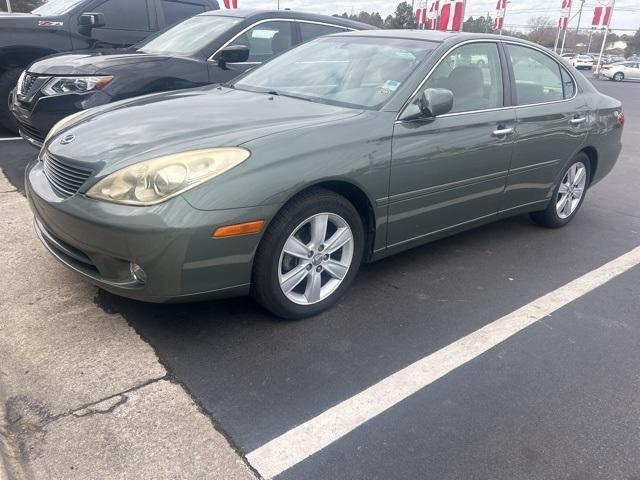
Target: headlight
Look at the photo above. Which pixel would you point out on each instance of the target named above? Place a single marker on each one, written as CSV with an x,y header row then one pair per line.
x,y
62,85
154,181
60,125
20,81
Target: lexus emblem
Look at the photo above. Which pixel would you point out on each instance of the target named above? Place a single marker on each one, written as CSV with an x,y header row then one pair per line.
x,y
67,139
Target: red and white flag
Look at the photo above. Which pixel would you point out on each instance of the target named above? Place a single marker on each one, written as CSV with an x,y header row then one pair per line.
x,y
451,15
498,22
230,3
563,22
601,16
420,16
432,16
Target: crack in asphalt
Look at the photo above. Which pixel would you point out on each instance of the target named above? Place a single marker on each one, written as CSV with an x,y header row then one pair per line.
x,y
110,304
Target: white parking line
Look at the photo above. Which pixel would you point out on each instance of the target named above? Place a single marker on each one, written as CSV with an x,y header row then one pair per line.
x,y
301,442
10,139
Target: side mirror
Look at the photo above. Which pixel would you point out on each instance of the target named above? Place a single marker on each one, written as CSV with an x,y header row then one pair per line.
x,y
232,54
89,20
431,103
435,101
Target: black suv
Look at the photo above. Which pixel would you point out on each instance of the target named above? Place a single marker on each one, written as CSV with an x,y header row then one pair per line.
x,y
66,25
213,47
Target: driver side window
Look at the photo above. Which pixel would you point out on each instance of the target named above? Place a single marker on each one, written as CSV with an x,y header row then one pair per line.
x,y
473,74
266,40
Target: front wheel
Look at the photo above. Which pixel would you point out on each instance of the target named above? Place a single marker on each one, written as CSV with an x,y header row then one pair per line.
x,y
8,81
309,256
618,77
568,194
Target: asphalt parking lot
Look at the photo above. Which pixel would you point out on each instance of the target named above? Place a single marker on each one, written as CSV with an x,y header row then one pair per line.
x,y
558,399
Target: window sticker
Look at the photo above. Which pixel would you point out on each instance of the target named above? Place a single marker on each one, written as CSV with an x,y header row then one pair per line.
x,y
391,85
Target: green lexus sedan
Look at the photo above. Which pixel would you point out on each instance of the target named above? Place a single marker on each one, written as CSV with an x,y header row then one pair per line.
x,y
343,150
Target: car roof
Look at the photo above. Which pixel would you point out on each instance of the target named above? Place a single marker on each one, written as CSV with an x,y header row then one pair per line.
x,y
437,36
429,35
296,15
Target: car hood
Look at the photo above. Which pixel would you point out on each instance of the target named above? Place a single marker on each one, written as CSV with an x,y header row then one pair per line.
x,y
91,63
110,137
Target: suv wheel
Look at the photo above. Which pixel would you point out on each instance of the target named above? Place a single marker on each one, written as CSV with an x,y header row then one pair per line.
x,y
8,81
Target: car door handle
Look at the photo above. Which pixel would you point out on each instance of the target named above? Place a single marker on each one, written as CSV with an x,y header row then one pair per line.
x,y
500,132
578,121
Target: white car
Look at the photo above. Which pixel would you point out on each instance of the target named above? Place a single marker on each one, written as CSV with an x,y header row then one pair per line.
x,y
621,71
582,61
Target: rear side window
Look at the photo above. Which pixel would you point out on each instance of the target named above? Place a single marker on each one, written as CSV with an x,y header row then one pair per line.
x,y
175,11
124,14
309,31
568,84
266,40
474,75
537,76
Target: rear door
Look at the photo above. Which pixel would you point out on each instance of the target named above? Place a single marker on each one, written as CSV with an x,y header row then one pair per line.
x,y
308,30
552,121
634,71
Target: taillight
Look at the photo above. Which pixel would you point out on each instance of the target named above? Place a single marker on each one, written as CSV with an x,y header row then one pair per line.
x,y
620,118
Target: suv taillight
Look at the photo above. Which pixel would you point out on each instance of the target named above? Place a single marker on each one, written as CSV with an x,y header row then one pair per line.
x,y
621,118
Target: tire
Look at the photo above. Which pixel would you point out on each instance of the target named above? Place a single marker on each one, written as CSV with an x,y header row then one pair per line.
x,y
275,270
8,81
554,216
618,77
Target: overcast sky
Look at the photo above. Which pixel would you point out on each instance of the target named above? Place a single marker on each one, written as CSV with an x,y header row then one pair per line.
x,y
626,15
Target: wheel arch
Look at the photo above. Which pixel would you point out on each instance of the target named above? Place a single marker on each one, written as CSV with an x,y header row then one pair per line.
x,y
358,198
592,153
22,56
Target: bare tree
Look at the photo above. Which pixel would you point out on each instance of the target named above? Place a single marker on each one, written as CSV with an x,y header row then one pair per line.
x,y
541,31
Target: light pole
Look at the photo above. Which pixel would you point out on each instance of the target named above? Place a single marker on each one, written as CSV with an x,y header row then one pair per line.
x,y
564,36
604,40
504,14
578,27
8,6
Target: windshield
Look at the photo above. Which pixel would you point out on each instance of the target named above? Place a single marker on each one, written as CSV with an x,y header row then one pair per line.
x,y
362,72
56,7
190,36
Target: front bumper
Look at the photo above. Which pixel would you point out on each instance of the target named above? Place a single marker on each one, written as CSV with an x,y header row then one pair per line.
x,y
36,118
171,242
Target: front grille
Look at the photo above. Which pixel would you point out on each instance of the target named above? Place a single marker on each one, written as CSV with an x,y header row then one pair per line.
x,y
64,177
29,86
27,83
32,132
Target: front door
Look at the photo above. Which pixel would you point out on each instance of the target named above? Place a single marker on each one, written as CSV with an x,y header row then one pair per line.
x,y
265,40
451,170
126,22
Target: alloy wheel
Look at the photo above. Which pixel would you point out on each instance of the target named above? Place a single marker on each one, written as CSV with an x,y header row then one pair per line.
x,y
315,258
571,190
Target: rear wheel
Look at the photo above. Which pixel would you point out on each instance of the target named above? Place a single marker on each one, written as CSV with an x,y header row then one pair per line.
x,y
618,77
309,256
568,194
8,81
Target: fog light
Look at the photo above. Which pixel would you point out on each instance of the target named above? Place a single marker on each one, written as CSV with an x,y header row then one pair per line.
x,y
138,273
